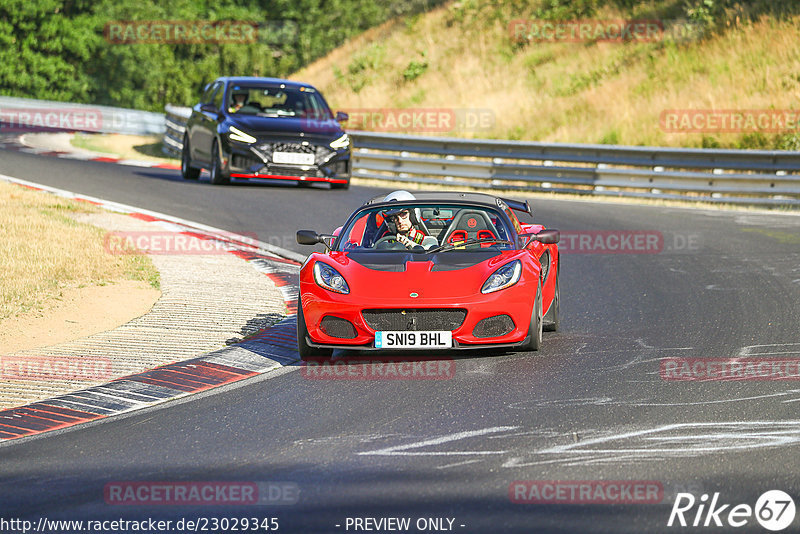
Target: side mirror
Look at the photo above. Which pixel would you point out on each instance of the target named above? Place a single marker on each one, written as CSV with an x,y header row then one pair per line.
x,y
341,116
547,237
308,237
209,108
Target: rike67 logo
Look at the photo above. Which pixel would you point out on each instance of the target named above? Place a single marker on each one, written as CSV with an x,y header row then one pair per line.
x,y
774,510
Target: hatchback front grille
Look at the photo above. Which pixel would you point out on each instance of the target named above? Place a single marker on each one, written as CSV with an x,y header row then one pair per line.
x,y
287,147
415,319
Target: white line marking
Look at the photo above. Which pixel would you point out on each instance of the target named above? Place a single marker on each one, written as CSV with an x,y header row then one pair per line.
x,y
571,448
465,462
401,450
750,350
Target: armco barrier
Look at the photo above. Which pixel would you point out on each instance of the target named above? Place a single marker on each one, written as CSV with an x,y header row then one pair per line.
x,y
766,177
176,118
55,116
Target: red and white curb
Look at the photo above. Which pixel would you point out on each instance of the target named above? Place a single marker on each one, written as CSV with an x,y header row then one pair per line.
x,y
17,144
270,349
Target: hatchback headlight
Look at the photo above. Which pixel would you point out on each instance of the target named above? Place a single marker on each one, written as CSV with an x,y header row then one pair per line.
x,y
504,277
342,142
236,134
329,278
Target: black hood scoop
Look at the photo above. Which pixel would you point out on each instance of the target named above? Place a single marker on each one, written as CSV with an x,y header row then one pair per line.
x,y
393,262
455,261
396,261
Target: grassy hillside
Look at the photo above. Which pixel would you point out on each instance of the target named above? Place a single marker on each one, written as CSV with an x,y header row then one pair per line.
x,y
92,51
462,55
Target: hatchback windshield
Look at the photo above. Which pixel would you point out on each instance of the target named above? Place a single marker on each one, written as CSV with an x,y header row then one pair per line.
x,y
277,101
433,227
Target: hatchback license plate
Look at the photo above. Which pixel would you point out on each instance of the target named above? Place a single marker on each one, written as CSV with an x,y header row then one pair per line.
x,y
293,158
434,339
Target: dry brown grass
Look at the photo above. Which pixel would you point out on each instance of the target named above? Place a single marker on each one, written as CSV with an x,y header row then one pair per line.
x,y
566,92
137,147
43,251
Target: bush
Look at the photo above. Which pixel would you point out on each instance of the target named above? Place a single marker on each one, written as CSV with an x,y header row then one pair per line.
x,y
414,70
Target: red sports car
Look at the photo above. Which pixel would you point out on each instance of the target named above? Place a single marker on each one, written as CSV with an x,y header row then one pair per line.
x,y
432,270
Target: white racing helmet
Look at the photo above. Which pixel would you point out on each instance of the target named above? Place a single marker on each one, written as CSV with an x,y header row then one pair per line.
x,y
401,195
398,195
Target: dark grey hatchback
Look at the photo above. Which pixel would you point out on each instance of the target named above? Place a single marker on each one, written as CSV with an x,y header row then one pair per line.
x,y
249,127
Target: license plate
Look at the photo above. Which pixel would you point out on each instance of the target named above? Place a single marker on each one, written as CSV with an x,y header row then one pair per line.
x,y
293,158
435,339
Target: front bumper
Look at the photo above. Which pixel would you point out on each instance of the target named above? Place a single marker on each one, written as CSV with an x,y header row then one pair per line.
x,y
456,346
255,161
515,302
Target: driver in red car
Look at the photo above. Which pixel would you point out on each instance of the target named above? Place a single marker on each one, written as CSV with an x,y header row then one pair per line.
x,y
404,222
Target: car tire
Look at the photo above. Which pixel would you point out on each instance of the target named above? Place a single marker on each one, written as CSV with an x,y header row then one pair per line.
x,y
551,321
535,328
218,176
303,348
187,170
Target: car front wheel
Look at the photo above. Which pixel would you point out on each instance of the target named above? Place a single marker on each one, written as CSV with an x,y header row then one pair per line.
x,y
187,171
218,176
535,329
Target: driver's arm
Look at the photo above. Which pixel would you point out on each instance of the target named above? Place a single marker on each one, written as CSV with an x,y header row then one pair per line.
x,y
406,241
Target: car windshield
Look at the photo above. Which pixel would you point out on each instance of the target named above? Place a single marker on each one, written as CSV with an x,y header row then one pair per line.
x,y
433,227
277,101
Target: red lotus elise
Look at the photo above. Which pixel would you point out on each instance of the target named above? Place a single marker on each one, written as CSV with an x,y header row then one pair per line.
x,y
433,270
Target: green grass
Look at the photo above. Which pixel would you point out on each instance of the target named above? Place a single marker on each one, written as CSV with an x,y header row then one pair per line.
x,y
733,55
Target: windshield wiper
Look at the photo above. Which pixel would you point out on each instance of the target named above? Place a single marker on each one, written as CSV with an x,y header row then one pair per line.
x,y
278,113
473,241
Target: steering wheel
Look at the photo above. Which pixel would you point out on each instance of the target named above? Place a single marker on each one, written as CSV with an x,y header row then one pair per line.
x,y
389,242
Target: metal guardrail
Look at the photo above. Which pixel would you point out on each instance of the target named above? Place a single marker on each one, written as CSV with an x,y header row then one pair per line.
x,y
767,177
65,116
175,119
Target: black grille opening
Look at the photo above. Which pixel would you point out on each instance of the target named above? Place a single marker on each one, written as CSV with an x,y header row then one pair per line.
x,y
337,327
287,147
495,326
340,168
292,171
244,162
415,319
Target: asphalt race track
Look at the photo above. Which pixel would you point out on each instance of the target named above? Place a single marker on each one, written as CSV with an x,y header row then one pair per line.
x,y
591,406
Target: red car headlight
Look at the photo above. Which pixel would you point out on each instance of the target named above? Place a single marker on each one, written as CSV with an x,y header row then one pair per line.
x,y
329,278
504,277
